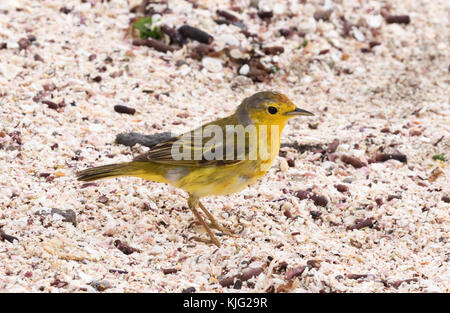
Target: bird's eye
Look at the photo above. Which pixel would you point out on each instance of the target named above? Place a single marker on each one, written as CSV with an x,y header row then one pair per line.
x,y
272,110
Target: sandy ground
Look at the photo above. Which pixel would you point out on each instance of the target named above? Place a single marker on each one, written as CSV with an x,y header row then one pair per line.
x,y
375,86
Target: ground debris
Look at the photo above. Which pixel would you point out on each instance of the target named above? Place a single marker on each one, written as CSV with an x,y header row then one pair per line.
x,y
244,276
295,272
126,249
362,223
130,139
4,236
69,215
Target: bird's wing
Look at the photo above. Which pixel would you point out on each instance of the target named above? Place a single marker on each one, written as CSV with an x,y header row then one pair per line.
x,y
198,148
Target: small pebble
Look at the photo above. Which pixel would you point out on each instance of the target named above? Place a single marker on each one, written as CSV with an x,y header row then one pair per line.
x,y
124,109
24,43
188,290
341,188
101,285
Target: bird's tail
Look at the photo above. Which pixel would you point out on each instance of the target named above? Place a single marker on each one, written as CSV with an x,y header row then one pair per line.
x,y
111,170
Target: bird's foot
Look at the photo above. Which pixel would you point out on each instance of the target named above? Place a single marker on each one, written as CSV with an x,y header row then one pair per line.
x,y
226,229
220,226
212,240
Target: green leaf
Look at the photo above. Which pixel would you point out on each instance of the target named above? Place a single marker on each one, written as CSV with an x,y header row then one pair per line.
x,y
144,26
274,69
439,157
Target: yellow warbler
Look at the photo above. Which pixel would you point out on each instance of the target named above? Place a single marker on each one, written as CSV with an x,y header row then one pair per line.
x,y
218,158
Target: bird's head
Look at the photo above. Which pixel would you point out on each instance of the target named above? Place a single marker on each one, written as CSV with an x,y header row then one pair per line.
x,y
268,107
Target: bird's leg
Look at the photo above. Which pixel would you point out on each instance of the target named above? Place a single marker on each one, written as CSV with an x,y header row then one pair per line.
x,y
216,225
192,203
209,215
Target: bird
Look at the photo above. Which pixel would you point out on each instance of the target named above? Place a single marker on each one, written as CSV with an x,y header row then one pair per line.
x,y
218,158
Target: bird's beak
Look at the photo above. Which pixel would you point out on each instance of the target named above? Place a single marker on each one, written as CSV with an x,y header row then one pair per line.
x,y
299,111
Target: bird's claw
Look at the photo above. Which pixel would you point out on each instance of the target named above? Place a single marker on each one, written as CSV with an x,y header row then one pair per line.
x,y
226,229
204,240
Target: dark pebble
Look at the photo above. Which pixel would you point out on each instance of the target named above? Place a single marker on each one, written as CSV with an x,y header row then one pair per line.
x,y
361,223
102,199
302,194
314,263
341,188
188,290
24,43
226,282
113,270
356,276
155,44
315,214
273,50
49,87
383,157
355,162
332,147
295,272
126,249
124,109
169,271
265,14
195,34
51,104
65,10
58,283
227,15
392,197
37,57
287,213
319,200
4,236
286,32
398,19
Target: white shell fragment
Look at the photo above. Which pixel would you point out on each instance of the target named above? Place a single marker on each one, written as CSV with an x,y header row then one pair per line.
x,y
307,25
244,70
213,65
228,39
374,21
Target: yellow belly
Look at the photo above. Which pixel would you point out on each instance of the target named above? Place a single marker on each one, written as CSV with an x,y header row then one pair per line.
x,y
221,180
